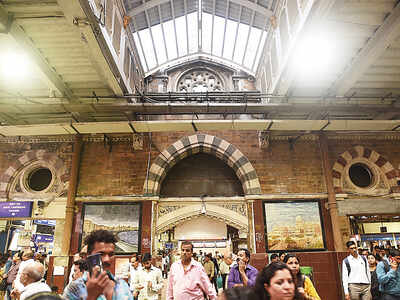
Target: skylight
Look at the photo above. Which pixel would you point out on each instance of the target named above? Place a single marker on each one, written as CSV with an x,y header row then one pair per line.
x,y
221,38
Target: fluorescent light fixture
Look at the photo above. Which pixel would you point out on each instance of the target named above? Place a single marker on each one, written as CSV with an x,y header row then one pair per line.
x,y
313,56
14,66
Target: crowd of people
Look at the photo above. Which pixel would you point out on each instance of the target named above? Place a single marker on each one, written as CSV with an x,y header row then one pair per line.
x,y
193,276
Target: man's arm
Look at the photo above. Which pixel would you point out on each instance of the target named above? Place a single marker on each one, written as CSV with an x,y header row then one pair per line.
x,y
170,288
252,275
384,277
231,276
206,286
158,281
345,278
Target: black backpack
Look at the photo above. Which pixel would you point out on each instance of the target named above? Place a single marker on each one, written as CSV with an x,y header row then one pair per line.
x,y
346,261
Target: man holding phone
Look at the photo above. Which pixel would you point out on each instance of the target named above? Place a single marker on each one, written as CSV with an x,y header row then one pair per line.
x,y
100,284
389,278
148,280
242,274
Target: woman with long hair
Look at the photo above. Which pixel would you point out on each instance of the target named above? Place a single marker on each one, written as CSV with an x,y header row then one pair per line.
x,y
276,282
372,262
304,285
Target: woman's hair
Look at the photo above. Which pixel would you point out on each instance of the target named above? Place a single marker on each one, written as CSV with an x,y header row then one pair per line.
x,y
241,293
377,257
265,277
44,296
298,275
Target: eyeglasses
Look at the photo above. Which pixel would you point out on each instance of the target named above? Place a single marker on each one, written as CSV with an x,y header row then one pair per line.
x,y
353,248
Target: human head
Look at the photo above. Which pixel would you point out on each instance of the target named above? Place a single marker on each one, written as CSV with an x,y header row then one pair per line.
x,y
186,252
32,272
28,254
275,281
146,261
395,255
293,263
228,259
244,255
134,262
207,257
103,242
44,296
352,248
80,266
282,256
16,258
274,258
372,261
364,252
239,293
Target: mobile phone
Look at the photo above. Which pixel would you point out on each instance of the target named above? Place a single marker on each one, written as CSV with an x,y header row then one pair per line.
x,y
94,260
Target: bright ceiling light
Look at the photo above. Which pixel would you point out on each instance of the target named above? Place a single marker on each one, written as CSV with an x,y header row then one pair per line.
x,y
313,56
14,66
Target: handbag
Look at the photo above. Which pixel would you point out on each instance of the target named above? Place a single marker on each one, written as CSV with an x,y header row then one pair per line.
x,y
3,284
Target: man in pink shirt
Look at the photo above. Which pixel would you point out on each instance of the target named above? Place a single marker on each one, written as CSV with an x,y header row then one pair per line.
x,y
187,279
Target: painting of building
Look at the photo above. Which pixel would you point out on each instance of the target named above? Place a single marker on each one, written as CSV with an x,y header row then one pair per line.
x,y
122,219
293,225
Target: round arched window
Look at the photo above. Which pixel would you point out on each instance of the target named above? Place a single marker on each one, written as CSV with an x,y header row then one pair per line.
x,y
361,175
39,179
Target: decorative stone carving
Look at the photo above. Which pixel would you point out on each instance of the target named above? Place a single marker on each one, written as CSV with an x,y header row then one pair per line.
x,y
263,139
236,207
200,80
163,210
137,141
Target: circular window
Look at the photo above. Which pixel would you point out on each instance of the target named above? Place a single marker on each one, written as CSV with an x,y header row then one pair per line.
x,y
361,175
39,179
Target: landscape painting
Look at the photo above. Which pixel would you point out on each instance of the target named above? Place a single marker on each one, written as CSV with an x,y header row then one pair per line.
x,y
293,226
122,219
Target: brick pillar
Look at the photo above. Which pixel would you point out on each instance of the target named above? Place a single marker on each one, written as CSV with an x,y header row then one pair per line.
x,y
73,184
331,205
147,211
259,226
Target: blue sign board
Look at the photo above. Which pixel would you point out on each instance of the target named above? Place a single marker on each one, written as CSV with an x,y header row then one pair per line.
x,y
45,222
169,245
379,237
15,209
43,238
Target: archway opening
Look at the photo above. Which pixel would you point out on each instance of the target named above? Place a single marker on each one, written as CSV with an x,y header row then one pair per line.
x,y
201,174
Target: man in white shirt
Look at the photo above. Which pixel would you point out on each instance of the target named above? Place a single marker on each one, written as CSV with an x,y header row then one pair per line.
x,y
31,279
356,276
27,258
133,269
148,281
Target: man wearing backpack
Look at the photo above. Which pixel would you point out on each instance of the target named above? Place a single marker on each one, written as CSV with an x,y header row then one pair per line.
x,y
389,276
356,276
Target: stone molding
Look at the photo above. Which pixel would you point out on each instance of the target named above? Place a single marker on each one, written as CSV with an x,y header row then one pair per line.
x,y
13,175
209,144
385,173
178,215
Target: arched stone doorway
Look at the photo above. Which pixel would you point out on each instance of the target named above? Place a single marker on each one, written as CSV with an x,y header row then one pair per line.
x,y
235,211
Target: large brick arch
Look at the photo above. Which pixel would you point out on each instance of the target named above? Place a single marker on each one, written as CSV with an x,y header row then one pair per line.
x,y
208,144
40,157
372,157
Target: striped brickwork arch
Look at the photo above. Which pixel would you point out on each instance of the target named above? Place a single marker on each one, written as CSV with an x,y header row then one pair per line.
x,y
208,144
361,153
40,157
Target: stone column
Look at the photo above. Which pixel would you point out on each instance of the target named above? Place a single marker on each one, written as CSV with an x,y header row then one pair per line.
x,y
153,228
250,216
331,205
73,185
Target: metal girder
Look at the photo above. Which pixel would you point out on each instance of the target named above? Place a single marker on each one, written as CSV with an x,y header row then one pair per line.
x,y
47,73
374,48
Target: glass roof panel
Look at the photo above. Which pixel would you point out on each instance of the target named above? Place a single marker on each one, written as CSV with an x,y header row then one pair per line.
x,y
193,36
230,33
255,35
223,38
169,32
207,31
148,46
159,43
139,48
181,33
219,26
241,43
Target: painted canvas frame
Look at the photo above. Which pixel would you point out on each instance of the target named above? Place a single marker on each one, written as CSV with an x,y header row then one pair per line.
x,y
124,219
292,226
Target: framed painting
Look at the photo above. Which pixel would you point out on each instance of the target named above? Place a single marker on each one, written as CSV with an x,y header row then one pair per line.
x,y
123,219
294,226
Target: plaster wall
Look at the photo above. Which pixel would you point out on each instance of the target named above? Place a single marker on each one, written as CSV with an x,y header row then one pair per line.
x,y
201,228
